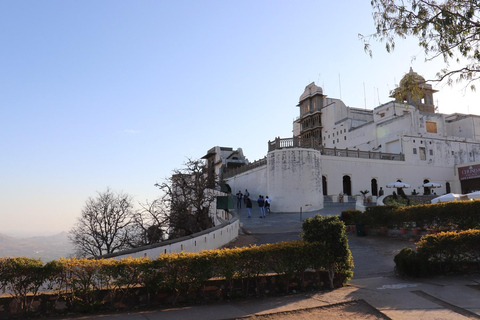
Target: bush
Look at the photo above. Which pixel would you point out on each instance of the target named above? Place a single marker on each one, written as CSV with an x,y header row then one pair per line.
x,y
441,253
461,215
330,231
381,216
350,217
408,262
22,277
87,285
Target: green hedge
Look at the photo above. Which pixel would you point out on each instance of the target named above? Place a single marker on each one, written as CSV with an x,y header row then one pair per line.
x,y
441,253
459,215
78,281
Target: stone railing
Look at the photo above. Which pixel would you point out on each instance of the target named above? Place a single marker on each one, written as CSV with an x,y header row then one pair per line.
x,y
295,142
234,171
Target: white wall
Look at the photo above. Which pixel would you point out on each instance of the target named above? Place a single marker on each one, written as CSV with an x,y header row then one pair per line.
x,y
362,171
212,238
254,180
294,180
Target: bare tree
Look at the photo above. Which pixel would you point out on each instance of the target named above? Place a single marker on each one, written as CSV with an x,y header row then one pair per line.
x,y
188,197
105,226
151,222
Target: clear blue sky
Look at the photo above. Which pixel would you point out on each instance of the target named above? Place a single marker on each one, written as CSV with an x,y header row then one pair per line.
x,y
97,94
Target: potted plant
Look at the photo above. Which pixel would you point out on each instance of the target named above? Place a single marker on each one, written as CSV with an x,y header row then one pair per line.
x,y
364,194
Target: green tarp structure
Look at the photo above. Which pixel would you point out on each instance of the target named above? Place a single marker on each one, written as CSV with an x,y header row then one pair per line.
x,y
224,202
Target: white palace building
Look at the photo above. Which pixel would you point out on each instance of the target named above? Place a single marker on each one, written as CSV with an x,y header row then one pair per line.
x,y
337,149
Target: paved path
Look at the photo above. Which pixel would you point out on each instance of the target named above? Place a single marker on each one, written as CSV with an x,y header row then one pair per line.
x,y
374,281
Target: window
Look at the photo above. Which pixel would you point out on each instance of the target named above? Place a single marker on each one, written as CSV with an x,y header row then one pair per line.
x,y
333,141
382,115
414,150
431,126
453,153
345,138
423,156
337,139
430,152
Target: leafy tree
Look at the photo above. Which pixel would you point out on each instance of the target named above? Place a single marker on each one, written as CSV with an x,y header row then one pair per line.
x,y
448,29
105,226
188,196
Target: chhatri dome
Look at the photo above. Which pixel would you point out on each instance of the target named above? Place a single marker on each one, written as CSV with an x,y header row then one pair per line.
x,y
415,91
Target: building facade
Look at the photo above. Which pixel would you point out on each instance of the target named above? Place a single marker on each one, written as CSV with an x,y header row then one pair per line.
x,y
341,150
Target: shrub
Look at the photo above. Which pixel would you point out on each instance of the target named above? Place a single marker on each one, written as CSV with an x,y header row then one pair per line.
x,y
408,262
22,276
381,216
461,215
441,253
330,231
350,217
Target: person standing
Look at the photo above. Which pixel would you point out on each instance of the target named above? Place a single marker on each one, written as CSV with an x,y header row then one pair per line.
x,y
248,203
267,204
239,199
246,195
261,206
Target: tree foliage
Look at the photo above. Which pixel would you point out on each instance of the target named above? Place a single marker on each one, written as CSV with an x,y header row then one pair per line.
x,y
105,225
448,29
188,196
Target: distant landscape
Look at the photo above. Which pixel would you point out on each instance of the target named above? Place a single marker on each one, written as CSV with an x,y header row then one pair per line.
x,y
46,248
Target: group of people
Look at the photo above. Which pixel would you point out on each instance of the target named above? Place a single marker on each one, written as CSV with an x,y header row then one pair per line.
x,y
263,203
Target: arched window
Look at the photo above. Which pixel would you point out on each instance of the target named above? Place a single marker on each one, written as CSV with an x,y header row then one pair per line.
x,y
374,187
324,185
347,185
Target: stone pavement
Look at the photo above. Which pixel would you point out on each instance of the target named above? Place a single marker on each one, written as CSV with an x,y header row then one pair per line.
x,y
453,297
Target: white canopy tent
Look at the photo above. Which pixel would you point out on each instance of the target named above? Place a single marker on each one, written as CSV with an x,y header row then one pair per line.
x,y
398,184
431,185
473,195
449,197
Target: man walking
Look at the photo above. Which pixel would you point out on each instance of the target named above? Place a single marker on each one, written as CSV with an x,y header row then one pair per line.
x,y
239,199
261,206
246,195
248,203
267,204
